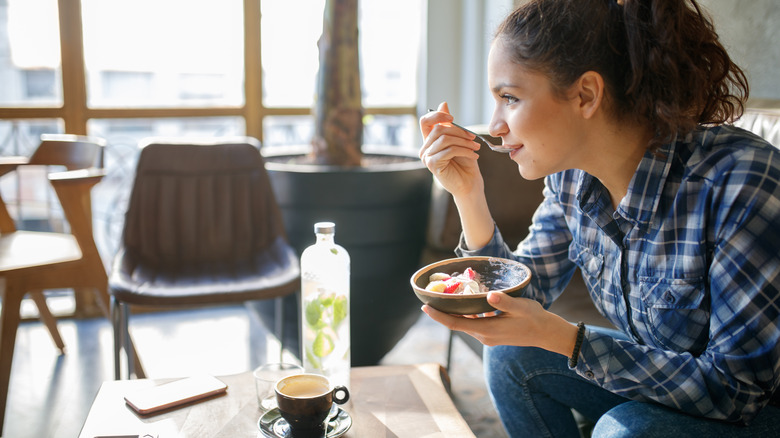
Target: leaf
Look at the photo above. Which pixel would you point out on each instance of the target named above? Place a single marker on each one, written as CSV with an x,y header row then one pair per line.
x,y
340,310
314,311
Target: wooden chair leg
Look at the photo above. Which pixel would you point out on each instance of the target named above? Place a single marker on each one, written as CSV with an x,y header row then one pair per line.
x,y
9,323
48,319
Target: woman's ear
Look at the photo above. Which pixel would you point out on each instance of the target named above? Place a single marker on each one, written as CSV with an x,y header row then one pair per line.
x,y
589,90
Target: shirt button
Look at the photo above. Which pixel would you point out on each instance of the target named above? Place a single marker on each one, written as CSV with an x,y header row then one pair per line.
x,y
589,374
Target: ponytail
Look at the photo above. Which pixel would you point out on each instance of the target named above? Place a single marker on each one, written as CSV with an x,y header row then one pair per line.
x,y
661,60
681,75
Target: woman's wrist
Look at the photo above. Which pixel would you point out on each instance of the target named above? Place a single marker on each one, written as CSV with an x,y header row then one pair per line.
x,y
476,220
561,337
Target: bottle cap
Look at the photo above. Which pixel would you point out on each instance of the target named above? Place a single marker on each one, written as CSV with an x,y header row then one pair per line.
x,y
324,228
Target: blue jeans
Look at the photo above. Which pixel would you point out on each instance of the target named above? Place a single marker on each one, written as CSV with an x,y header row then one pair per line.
x,y
534,392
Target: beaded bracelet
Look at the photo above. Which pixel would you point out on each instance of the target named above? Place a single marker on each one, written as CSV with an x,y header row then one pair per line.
x,y
575,355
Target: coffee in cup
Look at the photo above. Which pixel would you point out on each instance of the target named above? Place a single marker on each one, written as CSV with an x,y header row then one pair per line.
x,y
305,400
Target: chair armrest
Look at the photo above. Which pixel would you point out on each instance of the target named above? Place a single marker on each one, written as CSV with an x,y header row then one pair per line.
x,y
92,176
9,164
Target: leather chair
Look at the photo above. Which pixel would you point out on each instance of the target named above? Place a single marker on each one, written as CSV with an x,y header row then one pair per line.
x,y
31,261
202,228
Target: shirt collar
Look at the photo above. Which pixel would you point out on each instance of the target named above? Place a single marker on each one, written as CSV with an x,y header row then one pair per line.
x,y
644,191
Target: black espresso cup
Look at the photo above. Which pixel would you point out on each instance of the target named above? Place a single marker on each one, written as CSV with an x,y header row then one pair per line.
x,y
305,401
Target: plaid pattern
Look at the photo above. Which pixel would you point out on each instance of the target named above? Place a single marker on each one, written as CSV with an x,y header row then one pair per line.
x,y
688,267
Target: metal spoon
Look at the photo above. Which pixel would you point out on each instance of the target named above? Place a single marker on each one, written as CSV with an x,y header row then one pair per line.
x,y
497,148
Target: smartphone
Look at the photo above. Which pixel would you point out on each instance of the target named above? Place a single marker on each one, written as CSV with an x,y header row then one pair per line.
x,y
179,392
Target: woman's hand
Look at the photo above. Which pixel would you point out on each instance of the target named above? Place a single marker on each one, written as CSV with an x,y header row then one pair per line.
x,y
521,322
450,153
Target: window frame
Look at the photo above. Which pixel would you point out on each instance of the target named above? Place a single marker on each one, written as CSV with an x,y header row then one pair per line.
x,y
76,113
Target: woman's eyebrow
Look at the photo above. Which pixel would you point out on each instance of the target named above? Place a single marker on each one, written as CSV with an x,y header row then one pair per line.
x,y
501,86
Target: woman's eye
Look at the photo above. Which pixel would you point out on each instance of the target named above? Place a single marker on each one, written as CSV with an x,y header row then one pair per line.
x,y
509,99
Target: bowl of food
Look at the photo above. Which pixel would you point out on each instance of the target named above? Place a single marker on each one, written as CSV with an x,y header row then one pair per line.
x,y
460,286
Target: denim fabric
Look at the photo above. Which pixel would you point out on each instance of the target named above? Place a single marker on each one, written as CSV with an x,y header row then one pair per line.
x,y
534,391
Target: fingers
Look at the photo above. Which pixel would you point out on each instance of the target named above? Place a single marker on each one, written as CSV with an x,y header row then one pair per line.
x,y
442,135
452,322
439,134
455,322
451,143
433,118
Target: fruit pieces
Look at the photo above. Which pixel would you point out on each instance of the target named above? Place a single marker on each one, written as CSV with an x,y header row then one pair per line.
x,y
456,283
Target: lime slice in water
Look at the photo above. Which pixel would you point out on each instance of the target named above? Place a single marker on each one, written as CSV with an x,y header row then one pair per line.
x,y
323,345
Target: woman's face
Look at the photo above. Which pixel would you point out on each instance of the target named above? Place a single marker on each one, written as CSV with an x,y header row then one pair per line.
x,y
527,116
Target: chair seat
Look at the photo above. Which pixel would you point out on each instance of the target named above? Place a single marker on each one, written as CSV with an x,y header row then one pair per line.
x,y
30,249
272,273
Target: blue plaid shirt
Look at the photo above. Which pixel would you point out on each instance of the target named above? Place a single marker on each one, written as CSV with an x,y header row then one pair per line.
x,y
688,267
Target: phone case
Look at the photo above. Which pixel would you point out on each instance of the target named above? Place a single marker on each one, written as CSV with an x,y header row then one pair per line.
x,y
176,393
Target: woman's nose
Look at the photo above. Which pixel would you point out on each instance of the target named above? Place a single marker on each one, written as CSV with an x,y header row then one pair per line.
x,y
497,127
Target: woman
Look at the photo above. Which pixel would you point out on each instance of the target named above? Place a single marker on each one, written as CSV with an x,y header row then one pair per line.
x,y
672,217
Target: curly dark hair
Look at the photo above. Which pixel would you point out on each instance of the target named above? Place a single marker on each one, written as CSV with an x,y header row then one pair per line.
x,y
661,60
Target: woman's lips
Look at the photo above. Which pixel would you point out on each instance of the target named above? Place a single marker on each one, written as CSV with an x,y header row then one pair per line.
x,y
516,148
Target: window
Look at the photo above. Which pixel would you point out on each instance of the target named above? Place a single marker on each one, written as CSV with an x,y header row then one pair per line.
x,y
390,37
161,51
136,68
29,53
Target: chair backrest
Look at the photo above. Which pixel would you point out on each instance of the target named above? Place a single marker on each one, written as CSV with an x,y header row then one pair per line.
x,y
200,202
72,151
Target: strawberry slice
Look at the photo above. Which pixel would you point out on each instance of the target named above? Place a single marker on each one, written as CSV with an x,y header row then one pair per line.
x,y
470,274
452,287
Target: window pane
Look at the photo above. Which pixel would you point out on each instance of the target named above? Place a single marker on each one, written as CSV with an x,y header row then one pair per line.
x,y
290,30
287,130
21,137
164,53
396,131
390,35
30,53
378,130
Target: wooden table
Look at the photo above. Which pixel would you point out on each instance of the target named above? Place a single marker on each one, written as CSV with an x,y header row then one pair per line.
x,y
386,401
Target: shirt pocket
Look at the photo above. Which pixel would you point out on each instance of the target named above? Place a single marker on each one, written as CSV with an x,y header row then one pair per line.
x,y
677,311
590,263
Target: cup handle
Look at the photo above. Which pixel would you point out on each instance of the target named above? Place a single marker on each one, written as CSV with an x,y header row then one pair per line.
x,y
343,399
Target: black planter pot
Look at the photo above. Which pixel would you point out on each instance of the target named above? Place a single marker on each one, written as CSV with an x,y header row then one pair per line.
x,y
381,214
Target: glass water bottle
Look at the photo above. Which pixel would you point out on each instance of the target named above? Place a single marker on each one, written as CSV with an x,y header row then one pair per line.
x,y
325,271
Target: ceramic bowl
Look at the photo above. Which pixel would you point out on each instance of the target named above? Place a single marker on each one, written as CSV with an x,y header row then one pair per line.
x,y
498,274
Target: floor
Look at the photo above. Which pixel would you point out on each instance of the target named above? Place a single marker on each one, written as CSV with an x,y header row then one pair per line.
x,y
50,394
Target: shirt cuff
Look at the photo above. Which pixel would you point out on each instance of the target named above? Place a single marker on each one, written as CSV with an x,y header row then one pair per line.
x,y
593,357
497,241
